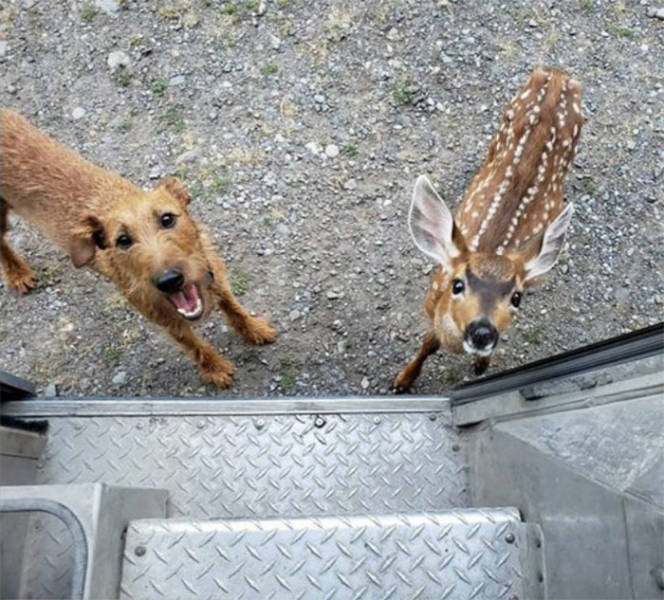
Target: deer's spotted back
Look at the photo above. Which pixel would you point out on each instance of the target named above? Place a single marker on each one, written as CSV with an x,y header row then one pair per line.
x,y
519,189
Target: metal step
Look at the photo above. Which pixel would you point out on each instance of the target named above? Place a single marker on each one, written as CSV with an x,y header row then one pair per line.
x,y
249,458
92,519
472,553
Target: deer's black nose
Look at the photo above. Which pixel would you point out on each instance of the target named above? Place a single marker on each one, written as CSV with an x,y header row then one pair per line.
x,y
169,281
482,335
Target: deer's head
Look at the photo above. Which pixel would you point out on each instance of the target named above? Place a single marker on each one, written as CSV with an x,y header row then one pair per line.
x,y
475,294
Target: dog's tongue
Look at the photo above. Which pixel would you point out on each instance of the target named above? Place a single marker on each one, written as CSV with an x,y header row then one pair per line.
x,y
186,300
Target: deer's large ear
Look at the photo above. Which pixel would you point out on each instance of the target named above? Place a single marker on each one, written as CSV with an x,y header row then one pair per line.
x,y
552,242
431,224
176,189
85,241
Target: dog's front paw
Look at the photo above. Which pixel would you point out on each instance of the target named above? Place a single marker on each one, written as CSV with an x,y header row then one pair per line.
x,y
257,331
219,373
22,279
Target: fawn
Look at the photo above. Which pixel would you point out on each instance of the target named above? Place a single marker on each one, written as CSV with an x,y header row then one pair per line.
x,y
508,229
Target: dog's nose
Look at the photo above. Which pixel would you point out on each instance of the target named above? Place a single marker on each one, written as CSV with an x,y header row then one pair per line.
x,y
482,334
169,281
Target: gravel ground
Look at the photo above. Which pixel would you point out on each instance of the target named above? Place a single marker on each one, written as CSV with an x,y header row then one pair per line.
x,y
300,126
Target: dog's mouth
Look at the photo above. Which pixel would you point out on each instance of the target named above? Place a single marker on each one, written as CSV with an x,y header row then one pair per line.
x,y
188,302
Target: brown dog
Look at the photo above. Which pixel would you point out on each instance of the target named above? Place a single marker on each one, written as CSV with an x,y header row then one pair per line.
x,y
145,242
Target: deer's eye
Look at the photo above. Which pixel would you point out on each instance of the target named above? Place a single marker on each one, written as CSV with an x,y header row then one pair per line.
x,y
123,241
458,286
516,299
167,220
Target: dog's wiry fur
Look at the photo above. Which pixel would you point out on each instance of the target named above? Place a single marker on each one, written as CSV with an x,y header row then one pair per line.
x,y
85,209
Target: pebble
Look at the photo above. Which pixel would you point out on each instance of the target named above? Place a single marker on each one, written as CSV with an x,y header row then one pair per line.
x,y
364,383
51,390
294,315
334,294
78,113
187,157
117,59
110,7
313,147
176,80
3,47
332,150
275,42
319,98
120,378
656,13
155,173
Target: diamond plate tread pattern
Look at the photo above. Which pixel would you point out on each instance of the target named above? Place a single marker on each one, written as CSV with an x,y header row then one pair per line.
x,y
267,465
469,554
255,466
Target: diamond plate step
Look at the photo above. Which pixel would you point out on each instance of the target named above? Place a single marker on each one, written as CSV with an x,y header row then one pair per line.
x,y
476,554
234,464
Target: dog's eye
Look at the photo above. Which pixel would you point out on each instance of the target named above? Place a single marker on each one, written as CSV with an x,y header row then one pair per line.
x,y
123,241
457,286
167,220
516,299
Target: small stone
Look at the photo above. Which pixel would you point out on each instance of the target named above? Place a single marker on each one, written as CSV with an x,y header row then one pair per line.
x,y
78,113
51,390
275,42
313,147
364,383
118,59
110,7
656,13
120,378
282,229
187,157
532,23
262,7
176,80
3,47
332,150
294,315
350,184
319,98
155,173
334,294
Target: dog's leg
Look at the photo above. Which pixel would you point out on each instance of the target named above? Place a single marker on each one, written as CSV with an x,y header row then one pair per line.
x,y
214,368
16,273
409,374
253,329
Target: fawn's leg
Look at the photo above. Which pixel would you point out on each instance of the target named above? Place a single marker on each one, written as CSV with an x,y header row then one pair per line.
x,y
409,374
481,364
253,329
16,273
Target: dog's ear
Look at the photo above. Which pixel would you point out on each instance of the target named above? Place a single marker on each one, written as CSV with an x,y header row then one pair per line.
x,y
86,239
176,189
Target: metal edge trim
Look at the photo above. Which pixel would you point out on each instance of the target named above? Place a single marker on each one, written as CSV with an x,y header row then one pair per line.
x,y
623,348
109,406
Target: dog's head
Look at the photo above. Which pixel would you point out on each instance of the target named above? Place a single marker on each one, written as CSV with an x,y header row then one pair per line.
x,y
151,248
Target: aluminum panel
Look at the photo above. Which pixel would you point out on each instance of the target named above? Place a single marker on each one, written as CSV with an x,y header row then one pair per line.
x,y
216,466
477,554
268,465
